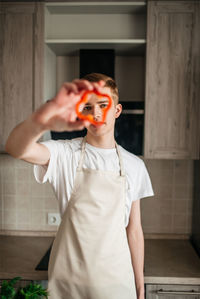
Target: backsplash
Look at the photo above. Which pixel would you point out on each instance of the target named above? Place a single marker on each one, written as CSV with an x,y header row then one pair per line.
x,y
170,210
25,204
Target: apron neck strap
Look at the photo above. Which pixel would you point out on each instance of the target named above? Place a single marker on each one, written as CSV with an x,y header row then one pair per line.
x,y
121,164
80,164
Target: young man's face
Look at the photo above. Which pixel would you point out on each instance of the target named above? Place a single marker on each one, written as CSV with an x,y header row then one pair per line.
x,y
96,106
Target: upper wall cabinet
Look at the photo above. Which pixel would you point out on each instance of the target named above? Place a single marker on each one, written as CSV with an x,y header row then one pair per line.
x,y
172,80
119,26
21,63
71,26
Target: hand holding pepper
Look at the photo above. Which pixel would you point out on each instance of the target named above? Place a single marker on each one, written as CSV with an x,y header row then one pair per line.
x,y
59,114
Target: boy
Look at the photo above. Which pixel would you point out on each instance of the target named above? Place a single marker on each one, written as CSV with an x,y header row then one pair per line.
x,y
98,252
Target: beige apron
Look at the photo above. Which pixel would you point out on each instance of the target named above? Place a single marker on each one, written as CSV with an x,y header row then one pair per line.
x,y
90,257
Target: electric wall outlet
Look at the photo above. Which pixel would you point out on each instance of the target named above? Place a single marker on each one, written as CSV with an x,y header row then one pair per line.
x,y
54,218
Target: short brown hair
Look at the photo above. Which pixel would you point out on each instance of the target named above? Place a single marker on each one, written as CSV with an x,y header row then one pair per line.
x,y
110,82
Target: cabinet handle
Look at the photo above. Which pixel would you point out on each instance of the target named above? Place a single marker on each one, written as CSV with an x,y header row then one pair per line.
x,y
161,292
133,111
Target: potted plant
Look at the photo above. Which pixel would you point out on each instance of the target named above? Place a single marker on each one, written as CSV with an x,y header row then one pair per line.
x,y
31,291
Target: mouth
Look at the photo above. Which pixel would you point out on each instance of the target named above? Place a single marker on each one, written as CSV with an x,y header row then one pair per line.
x,y
98,125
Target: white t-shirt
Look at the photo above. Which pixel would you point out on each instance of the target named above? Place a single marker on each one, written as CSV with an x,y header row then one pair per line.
x,y
64,158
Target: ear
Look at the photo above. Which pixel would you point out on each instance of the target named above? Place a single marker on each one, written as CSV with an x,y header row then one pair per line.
x,y
118,110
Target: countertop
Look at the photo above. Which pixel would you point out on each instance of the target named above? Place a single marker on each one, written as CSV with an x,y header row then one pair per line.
x,y
19,255
171,262
167,261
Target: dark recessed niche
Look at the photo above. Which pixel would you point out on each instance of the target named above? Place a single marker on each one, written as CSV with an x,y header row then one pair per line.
x,y
97,61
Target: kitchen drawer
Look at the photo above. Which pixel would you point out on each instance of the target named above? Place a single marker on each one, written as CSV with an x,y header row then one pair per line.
x,y
162,291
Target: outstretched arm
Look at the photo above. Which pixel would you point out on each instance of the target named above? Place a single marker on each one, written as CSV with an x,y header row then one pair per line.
x,y
57,114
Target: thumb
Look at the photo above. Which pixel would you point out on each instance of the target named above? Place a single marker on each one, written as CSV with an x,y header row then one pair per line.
x,y
86,123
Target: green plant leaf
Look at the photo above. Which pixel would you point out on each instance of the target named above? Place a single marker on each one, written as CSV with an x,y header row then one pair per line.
x,y
31,291
7,288
34,291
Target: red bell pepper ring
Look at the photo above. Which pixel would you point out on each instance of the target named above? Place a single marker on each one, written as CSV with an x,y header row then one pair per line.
x,y
90,117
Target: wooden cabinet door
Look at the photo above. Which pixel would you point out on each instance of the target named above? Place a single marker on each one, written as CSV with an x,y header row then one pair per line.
x,y
172,291
172,110
21,63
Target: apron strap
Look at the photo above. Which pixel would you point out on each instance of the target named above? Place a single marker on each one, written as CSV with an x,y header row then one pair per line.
x,y
121,164
80,164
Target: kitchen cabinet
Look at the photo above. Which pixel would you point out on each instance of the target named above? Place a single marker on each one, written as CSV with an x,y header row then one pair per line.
x,y
70,27
195,236
21,63
169,61
120,26
172,291
172,80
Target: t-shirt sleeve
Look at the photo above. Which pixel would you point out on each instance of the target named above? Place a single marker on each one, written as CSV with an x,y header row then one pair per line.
x,y
47,173
144,185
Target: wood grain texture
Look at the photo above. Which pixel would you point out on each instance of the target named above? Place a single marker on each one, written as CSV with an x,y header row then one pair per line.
x,y
21,64
172,101
38,55
19,7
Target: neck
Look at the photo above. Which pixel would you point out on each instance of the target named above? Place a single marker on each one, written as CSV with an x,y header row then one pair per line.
x,y
101,141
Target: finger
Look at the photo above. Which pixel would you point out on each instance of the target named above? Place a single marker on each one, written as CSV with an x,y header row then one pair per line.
x,y
46,111
86,123
70,87
83,84
101,83
72,116
99,89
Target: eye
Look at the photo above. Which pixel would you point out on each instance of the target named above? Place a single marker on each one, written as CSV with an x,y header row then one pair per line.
x,y
87,108
103,105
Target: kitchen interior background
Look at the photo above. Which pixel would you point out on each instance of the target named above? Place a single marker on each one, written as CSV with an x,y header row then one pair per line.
x,y
25,204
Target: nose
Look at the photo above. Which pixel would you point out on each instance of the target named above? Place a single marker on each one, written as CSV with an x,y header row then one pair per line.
x,y
97,113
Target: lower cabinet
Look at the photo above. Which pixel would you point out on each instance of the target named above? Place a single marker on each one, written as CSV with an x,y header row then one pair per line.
x,y
162,291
